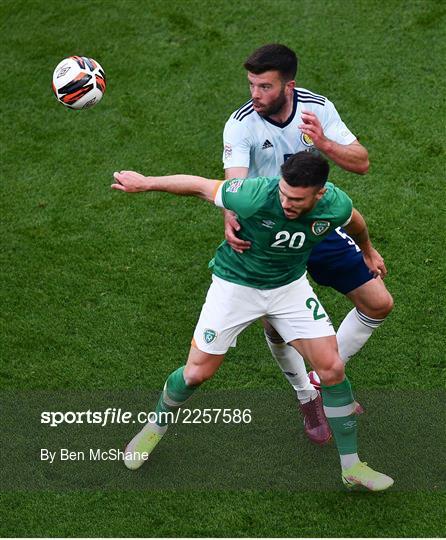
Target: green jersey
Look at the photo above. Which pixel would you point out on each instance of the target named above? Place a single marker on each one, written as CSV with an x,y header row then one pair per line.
x,y
280,247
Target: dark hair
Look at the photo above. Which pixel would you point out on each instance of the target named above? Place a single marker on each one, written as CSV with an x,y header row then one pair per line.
x,y
305,169
273,57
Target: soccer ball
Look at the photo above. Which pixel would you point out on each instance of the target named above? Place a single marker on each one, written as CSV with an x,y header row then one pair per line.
x,y
79,82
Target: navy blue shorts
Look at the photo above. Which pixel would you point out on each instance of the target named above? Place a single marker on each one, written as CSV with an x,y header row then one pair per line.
x,y
337,262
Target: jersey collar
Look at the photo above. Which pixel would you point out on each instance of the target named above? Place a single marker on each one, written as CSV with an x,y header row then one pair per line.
x,y
289,119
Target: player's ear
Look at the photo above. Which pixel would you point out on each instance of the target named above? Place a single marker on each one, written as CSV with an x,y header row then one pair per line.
x,y
320,193
290,85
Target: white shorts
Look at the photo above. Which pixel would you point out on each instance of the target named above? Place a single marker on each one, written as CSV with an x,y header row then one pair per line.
x,y
293,310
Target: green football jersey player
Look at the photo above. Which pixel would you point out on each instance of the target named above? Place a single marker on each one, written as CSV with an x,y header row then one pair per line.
x,y
283,218
280,245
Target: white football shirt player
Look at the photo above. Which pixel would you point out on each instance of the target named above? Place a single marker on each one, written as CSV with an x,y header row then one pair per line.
x,y
262,145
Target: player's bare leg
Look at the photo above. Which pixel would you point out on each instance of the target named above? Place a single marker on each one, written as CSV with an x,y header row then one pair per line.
x,y
179,387
373,303
293,368
339,407
201,366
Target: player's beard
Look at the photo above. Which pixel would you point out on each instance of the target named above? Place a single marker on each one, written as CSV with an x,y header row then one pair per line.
x,y
276,106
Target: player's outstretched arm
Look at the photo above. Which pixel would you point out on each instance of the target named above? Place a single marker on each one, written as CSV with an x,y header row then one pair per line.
x,y
177,184
357,229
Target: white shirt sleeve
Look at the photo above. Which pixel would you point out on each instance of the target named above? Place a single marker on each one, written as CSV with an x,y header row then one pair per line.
x,y
237,145
334,128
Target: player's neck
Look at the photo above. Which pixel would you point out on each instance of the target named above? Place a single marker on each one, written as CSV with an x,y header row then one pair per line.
x,y
285,112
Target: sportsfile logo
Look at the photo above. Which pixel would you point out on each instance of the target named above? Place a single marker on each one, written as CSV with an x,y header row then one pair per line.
x,y
113,415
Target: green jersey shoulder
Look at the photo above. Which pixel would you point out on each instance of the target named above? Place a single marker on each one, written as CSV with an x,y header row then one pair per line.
x,y
280,247
246,195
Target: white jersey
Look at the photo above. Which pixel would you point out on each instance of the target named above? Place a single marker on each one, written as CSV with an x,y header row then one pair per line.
x,y
263,145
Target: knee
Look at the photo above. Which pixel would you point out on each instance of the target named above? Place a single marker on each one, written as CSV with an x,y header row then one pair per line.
x,y
272,335
387,305
379,307
333,371
195,375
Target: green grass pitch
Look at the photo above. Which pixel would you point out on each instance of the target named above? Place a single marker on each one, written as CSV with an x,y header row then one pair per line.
x,y
100,291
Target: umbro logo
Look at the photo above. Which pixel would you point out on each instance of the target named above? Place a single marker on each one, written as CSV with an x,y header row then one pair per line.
x,y
268,223
267,144
63,71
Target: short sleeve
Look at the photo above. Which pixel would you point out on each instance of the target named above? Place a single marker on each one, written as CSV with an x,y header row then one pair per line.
x,y
344,207
333,126
244,196
237,145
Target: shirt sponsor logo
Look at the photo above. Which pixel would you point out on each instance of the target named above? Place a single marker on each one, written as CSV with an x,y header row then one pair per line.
x,y
234,185
306,140
228,151
319,227
268,223
209,335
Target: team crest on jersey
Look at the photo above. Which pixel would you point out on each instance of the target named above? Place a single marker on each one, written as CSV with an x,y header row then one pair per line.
x,y
234,185
319,227
209,335
306,140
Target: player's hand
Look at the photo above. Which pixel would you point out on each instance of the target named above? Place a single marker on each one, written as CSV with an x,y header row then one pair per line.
x,y
312,127
375,263
130,181
232,226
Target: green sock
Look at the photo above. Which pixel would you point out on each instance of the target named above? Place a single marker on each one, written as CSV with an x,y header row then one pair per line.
x,y
339,406
175,393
